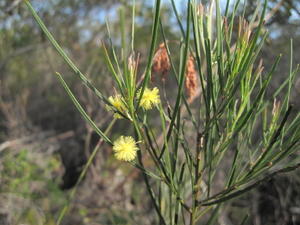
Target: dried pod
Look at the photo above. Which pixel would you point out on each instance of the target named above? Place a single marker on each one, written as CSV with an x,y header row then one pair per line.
x,y
191,83
161,63
244,30
132,62
276,107
200,10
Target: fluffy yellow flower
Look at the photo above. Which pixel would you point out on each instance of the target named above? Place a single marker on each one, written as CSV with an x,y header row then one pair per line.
x,y
125,148
150,98
118,104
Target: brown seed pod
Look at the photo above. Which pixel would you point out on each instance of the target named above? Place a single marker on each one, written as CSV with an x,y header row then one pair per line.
x,y
161,63
191,83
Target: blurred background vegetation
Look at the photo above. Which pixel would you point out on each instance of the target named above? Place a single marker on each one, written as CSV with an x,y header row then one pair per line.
x,y
44,142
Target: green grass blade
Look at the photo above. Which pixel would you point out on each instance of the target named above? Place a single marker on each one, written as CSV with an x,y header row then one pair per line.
x,y
62,53
81,110
182,73
82,175
152,49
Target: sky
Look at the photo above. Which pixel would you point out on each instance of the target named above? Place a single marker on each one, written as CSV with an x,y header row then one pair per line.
x,y
102,15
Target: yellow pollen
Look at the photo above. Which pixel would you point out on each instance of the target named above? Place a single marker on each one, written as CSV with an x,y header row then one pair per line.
x,y
125,148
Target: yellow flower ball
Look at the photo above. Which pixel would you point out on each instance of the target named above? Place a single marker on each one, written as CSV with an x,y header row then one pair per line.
x,y
150,98
125,148
118,104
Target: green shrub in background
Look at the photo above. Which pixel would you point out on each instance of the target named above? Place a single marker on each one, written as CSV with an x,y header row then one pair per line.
x,y
182,157
29,188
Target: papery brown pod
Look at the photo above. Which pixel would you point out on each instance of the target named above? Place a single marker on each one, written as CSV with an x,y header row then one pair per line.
x,y
191,83
161,63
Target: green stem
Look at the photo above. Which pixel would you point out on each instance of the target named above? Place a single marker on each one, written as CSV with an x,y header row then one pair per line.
x,y
82,174
62,53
